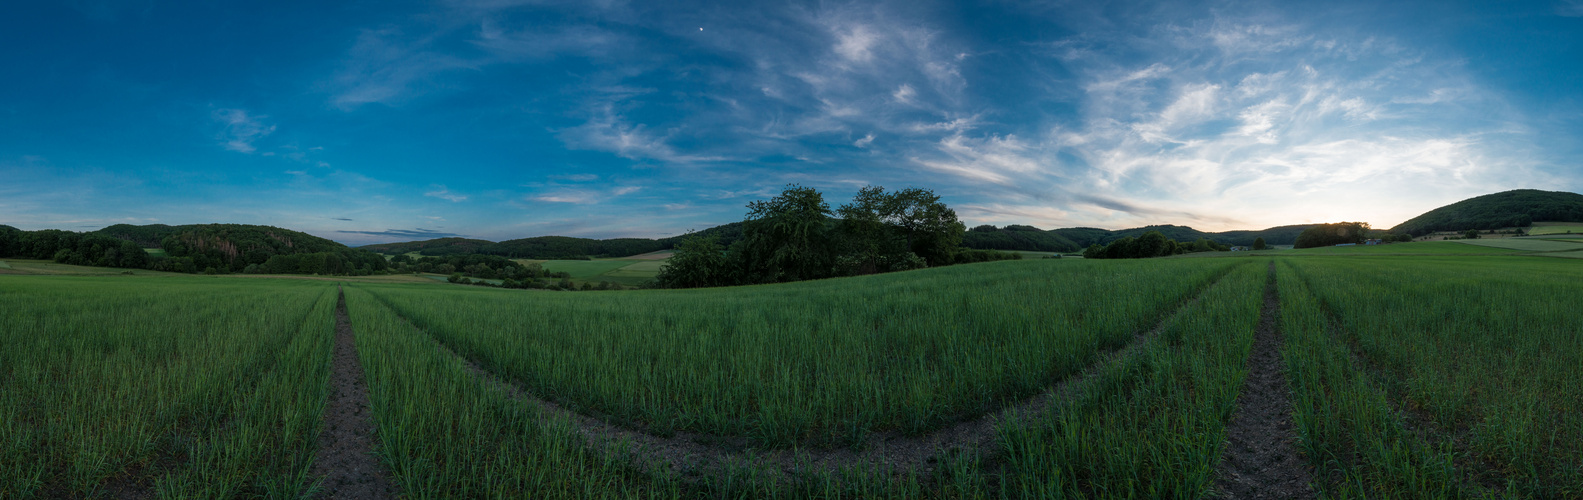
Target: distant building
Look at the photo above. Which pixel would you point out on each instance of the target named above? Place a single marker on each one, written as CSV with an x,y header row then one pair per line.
x,y
1240,249
1375,241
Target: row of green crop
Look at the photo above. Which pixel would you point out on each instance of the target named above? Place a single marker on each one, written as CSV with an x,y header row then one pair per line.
x,y
176,387
445,433
1149,425
815,363
1438,377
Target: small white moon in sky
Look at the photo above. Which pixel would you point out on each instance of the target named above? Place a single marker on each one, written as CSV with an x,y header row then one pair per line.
x,y
700,29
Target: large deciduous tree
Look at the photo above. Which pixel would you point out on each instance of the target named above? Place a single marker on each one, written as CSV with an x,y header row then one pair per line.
x,y
786,238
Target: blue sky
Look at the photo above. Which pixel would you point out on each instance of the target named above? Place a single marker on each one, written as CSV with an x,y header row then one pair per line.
x,y
382,121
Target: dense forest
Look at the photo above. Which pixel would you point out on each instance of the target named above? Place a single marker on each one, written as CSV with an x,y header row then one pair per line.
x,y
1515,208
1151,244
1339,233
206,248
549,247
797,236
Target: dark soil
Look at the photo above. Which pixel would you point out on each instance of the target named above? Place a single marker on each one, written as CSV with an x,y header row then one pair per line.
x,y
694,456
1260,458
346,458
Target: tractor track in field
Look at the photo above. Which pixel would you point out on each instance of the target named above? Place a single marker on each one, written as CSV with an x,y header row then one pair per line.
x,y
346,457
1260,458
695,456
1474,476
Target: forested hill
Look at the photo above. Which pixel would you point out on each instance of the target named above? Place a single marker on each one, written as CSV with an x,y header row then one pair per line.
x,y
1015,237
216,248
438,246
1515,208
550,247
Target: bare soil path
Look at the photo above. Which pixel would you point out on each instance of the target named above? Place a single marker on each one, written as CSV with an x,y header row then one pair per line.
x,y
346,458
1260,458
693,456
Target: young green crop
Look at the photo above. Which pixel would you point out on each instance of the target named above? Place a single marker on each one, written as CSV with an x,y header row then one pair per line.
x,y
1358,444
200,388
445,433
1152,424
1480,359
823,362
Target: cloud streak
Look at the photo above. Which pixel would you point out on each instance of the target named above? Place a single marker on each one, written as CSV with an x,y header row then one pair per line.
x,y
240,129
414,234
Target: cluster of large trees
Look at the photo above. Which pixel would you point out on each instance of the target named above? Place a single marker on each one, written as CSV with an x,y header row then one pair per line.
x,y
1339,233
796,236
206,248
1150,244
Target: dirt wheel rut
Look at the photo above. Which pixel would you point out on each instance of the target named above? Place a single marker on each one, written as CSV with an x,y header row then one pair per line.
x,y
346,457
1260,458
694,456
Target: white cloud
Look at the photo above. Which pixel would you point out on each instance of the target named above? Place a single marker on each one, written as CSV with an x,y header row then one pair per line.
x,y
241,129
864,142
855,43
608,131
904,94
1569,8
439,191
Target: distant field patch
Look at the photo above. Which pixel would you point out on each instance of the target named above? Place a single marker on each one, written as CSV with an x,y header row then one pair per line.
x,y
1570,255
1029,254
156,252
585,269
1542,228
4,265
1414,248
1526,244
658,255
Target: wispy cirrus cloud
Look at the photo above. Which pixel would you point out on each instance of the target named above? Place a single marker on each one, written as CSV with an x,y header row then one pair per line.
x,y
240,130
441,192
416,233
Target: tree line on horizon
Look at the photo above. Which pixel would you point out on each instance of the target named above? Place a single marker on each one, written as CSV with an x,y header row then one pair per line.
x,y
198,248
796,236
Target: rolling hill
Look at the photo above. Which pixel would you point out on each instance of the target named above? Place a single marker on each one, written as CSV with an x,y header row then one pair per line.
x,y
1074,239
550,247
1518,207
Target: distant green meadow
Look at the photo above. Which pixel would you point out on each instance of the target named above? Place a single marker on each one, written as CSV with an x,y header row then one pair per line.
x,y
1411,248
626,271
1542,228
1415,370
1527,244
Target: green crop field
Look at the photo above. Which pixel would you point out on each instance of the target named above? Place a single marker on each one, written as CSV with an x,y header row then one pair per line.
x,y
1413,372
1541,228
204,389
4,265
1411,248
629,271
1452,375
1527,244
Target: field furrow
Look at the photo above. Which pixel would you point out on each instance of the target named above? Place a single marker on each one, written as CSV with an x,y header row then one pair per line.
x,y
1446,385
695,455
444,433
204,390
819,364
345,460
1260,458
1149,426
